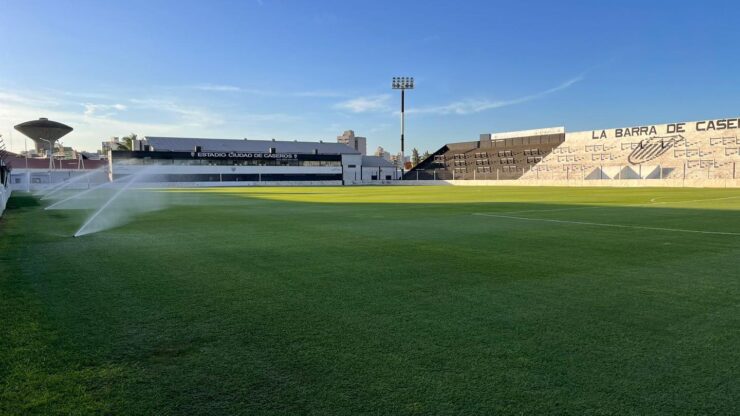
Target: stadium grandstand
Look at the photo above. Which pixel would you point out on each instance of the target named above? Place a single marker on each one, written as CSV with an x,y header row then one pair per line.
x,y
226,162
495,156
699,150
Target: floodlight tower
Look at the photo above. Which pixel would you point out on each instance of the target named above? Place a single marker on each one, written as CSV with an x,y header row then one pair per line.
x,y
403,84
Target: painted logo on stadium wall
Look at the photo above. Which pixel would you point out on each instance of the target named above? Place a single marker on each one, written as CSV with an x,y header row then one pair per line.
x,y
673,128
652,148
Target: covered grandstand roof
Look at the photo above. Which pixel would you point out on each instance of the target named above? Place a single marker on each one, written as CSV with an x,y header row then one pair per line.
x,y
186,144
376,162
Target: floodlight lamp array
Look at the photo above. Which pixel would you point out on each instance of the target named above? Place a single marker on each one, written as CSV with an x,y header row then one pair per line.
x,y
403,83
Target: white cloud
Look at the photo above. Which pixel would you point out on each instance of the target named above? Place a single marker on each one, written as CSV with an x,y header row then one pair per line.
x,y
94,122
231,88
107,109
372,103
89,130
77,94
186,116
470,106
97,121
27,99
268,93
217,88
319,94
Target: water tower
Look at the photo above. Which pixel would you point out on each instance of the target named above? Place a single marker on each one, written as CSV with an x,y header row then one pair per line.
x,y
44,133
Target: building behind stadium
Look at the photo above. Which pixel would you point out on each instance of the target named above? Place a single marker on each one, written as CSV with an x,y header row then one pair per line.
x,y
248,162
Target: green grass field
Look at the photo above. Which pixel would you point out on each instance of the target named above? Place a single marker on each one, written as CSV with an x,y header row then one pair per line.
x,y
377,300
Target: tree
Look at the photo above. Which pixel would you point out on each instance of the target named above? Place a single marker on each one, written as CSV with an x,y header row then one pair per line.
x,y
128,141
414,157
426,155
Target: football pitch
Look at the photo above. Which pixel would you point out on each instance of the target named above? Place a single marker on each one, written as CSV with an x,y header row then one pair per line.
x,y
377,300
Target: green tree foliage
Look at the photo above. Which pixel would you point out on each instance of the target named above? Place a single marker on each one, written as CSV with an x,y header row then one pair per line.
x,y
128,141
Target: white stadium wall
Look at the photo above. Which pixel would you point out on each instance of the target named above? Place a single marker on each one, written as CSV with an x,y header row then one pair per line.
x,y
616,183
38,179
697,153
230,168
351,166
4,196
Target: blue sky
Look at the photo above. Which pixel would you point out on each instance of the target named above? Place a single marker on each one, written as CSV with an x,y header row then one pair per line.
x,y
308,70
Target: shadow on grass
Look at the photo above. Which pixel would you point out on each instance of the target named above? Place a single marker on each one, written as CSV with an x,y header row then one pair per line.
x,y
22,200
181,206
227,306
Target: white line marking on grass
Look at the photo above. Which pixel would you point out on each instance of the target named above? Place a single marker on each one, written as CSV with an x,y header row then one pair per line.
x,y
598,224
652,202
693,200
555,209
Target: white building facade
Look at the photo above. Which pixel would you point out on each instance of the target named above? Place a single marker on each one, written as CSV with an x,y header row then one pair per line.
x,y
220,162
